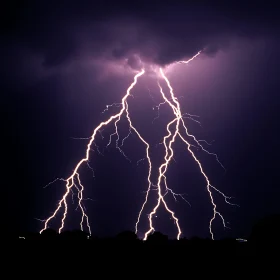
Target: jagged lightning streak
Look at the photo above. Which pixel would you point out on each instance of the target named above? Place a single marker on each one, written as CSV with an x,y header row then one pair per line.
x,y
168,156
160,195
80,197
180,131
70,181
189,60
163,169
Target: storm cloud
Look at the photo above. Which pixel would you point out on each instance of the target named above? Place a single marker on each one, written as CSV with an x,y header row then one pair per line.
x,y
48,34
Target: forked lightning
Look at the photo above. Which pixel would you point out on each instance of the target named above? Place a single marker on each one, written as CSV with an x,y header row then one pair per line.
x,y
176,129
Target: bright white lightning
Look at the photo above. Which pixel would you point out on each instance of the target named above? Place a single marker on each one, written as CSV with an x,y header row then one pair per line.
x,y
70,181
161,186
175,106
189,60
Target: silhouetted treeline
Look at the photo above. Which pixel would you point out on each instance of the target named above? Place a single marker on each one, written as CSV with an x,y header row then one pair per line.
x,y
265,235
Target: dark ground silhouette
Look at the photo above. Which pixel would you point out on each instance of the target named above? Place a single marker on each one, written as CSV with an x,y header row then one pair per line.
x,y
265,237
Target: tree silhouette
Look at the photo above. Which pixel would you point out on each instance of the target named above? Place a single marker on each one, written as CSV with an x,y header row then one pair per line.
x,y
73,235
157,237
265,237
49,234
127,235
266,230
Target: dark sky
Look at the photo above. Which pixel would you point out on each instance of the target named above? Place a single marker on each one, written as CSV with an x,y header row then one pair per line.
x,y
64,61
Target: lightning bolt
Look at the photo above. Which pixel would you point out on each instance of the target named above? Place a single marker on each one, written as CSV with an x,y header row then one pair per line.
x,y
70,181
179,121
175,106
176,129
189,60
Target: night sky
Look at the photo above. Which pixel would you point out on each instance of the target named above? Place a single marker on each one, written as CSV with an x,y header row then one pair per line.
x,y
64,61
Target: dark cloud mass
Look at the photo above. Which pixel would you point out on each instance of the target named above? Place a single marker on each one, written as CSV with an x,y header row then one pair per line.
x,y
157,31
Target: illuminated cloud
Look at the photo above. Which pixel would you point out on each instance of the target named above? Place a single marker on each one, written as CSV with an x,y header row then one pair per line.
x,y
154,32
